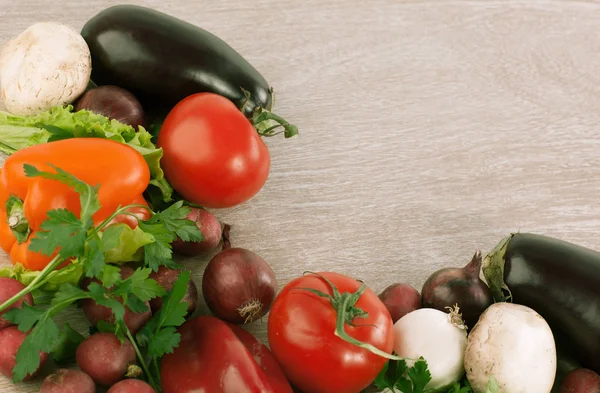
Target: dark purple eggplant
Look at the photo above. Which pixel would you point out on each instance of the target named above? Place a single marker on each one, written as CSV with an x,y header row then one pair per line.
x,y
162,60
559,280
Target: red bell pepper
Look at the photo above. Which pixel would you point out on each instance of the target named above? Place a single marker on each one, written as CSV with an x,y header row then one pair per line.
x,y
214,356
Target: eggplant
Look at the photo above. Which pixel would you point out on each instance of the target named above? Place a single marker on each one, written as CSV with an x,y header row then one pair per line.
x,y
162,60
559,280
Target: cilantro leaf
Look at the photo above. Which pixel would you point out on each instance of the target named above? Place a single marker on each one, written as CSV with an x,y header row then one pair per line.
x,y
62,229
42,338
136,305
88,195
175,220
110,275
25,317
159,252
171,315
419,375
163,341
143,287
93,259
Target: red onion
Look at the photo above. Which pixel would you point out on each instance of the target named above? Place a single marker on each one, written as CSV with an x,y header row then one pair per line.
x,y
113,102
238,285
458,286
400,299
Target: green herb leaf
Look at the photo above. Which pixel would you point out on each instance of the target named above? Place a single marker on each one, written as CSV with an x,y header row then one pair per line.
x,y
110,275
93,260
171,315
42,338
419,375
104,298
25,317
120,243
163,341
62,229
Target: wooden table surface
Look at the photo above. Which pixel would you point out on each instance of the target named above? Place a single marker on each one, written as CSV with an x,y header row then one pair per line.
x,y
428,129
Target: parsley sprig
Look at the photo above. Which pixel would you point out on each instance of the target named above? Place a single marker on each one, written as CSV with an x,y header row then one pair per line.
x,y
397,377
74,237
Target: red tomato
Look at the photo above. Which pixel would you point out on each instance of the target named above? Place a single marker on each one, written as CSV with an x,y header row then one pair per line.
x,y
301,336
213,156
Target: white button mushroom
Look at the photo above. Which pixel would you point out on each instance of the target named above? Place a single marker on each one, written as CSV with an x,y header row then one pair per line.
x,y
48,64
513,344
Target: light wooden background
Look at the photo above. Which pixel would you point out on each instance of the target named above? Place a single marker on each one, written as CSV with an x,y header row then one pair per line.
x,y
428,128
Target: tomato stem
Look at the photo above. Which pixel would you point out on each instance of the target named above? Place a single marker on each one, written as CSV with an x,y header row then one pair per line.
x,y
346,311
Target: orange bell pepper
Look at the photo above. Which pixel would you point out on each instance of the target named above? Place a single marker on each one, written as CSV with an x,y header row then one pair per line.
x,y
119,170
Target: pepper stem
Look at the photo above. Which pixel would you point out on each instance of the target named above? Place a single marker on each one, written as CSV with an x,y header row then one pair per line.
x,y
15,217
345,306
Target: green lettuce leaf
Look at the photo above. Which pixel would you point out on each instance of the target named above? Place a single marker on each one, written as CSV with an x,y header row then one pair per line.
x,y
70,274
19,132
125,244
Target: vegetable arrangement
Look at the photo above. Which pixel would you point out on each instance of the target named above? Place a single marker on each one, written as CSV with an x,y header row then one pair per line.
x,y
97,198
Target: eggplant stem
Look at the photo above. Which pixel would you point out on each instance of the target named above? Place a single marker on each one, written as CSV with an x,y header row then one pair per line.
x,y
492,271
265,121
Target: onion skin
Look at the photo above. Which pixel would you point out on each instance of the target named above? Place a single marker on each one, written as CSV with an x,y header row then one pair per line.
x,y
581,380
238,286
113,102
458,286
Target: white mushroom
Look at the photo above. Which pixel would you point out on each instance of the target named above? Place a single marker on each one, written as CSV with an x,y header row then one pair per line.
x,y
513,344
48,64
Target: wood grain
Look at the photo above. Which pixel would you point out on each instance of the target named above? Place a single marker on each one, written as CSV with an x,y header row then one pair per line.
x,y
428,129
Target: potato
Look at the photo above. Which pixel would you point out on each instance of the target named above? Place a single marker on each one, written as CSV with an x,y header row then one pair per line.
x,y
11,339
105,359
68,381
131,386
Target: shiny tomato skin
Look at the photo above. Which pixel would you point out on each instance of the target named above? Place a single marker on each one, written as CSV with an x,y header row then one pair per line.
x,y
212,155
301,336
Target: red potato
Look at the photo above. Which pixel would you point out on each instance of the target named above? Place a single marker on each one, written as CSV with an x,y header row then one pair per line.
x,y
68,381
210,227
105,359
400,299
581,380
131,386
96,313
11,339
8,288
166,278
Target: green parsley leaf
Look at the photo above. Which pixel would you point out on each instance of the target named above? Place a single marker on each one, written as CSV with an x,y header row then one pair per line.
x,y
136,305
62,229
419,375
42,338
88,195
25,317
93,259
143,287
66,345
110,275
163,341
171,315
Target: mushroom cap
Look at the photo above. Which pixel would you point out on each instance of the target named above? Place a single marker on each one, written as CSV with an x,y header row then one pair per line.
x,y
47,65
